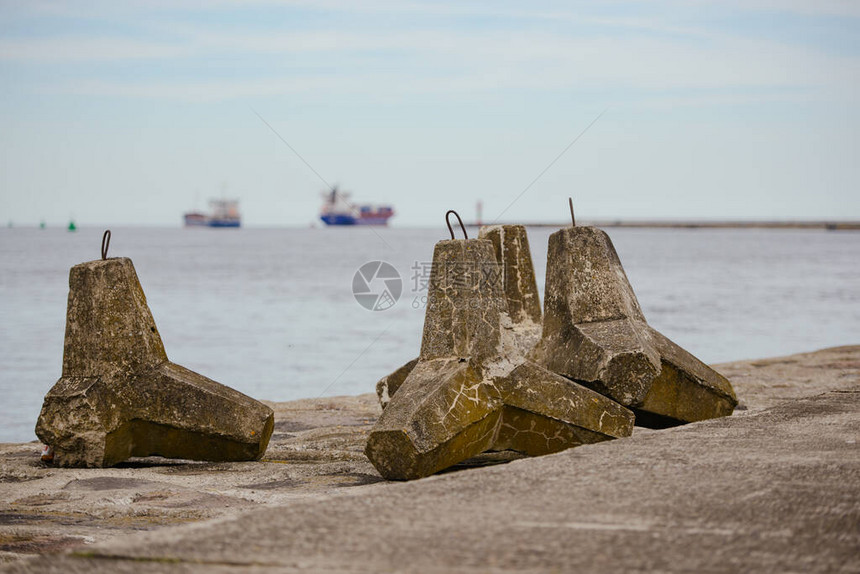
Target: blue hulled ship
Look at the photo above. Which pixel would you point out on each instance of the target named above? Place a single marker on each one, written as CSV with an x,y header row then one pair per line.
x,y
337,210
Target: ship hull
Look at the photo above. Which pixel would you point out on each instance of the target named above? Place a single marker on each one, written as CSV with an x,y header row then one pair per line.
x,y
337,219
345,219
207,222
224,223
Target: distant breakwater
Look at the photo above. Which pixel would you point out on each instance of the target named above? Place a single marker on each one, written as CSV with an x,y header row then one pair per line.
x,y
656,224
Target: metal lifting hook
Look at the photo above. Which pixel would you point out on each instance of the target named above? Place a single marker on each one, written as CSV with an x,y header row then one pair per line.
x,y
450,229
105,244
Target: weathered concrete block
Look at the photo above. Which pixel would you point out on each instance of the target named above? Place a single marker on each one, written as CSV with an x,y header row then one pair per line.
x,y
444,412
389,384
531,388
516,273
471,388
594,332
464,301
119,396
686,389
511,245
546,413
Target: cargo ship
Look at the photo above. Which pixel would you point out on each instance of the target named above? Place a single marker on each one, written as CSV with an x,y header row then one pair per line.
x,y
338,210
222,213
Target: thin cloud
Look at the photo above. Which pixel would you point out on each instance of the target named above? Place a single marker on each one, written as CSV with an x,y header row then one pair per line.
x,y
596,51
457,64
78,49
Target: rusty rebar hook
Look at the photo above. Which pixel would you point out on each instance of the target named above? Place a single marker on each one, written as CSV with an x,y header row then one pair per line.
x,y
105,244
451,229
572,218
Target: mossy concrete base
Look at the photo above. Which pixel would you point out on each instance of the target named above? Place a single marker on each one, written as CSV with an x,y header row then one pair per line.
x,y
594,332
446,412
119,395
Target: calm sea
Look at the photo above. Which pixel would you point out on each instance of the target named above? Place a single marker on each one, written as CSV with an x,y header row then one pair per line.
x,y
271,312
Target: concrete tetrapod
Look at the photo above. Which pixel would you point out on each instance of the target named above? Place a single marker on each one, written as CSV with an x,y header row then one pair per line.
x,y
472,390
511,248
119,396
594,332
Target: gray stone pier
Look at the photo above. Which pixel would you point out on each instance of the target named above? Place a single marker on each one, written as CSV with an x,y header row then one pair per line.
x,y
119,396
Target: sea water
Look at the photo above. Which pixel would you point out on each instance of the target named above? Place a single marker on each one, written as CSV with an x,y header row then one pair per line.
x,y
272,313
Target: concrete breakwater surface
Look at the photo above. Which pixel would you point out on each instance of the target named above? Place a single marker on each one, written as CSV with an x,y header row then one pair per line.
x,y
271,312
774,487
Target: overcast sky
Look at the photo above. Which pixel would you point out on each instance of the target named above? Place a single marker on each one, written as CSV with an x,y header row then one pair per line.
x,y
133,112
